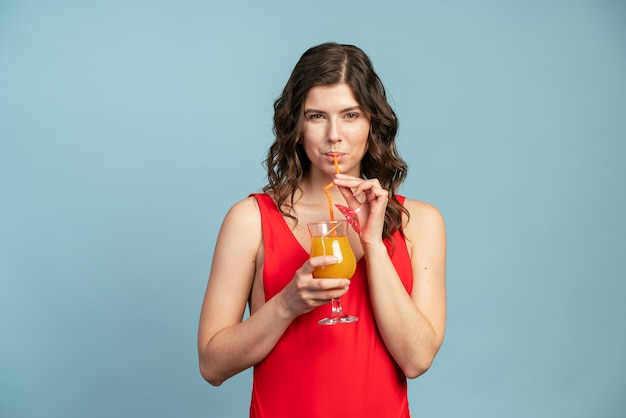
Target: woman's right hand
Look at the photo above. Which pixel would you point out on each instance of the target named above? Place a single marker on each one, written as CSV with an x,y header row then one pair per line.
x,y
305,293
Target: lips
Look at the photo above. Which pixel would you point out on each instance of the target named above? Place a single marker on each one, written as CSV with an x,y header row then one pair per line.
x,y
331,155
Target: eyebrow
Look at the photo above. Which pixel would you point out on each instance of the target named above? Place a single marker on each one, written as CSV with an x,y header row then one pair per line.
x,y
347,109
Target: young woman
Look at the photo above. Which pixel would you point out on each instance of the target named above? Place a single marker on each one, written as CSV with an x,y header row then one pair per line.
x,y
334,106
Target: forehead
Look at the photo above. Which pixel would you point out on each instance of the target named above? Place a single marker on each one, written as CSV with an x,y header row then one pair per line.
x,y
335,97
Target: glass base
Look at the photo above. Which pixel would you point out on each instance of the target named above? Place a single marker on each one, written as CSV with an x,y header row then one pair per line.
x,y
338,319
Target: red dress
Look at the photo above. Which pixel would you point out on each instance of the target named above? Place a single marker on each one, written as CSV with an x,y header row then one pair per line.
x,y
326,371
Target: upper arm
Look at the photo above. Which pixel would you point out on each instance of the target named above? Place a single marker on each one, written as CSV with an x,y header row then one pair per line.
x,y
426,233
232,270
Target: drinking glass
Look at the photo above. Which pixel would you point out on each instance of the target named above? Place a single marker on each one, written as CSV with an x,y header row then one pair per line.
x,y
331,238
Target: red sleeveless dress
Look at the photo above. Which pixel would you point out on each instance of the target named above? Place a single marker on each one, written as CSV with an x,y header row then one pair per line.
x,y
319,371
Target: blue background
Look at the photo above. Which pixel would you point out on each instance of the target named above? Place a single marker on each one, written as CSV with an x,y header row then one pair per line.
x,y
128,128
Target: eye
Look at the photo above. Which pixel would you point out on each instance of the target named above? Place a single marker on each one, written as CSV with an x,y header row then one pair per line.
x,y
351,115
315,116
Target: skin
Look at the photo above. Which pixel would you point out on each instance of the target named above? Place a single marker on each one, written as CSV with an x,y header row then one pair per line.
x,y
412,326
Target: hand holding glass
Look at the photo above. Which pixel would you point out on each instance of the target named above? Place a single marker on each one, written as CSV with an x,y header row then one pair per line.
x,y
331,238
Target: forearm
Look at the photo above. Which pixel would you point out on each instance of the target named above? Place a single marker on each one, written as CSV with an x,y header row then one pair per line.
x,y
242,345
407,333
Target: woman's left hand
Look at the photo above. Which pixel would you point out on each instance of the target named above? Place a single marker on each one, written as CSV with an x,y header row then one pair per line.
x,y
370,199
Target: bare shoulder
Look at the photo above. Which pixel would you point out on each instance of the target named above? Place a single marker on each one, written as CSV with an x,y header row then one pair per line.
x,y
237,245
241,232
422,213
246,208
424,223
244,214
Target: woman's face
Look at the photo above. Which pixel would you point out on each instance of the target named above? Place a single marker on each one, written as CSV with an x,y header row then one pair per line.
x,y
334,124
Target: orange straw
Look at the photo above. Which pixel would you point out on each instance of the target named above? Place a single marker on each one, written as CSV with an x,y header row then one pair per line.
x,y
330,201
327,191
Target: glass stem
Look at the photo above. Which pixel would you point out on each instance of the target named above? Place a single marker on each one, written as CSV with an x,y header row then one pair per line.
x,y
336,307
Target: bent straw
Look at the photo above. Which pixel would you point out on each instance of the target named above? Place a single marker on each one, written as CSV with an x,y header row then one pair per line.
x,y
331,212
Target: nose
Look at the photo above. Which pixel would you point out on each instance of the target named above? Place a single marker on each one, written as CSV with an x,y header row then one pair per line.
x,y
333,131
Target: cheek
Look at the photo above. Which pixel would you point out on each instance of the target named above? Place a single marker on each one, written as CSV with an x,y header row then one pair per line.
x,y
362,135
312,138
309,146
311,132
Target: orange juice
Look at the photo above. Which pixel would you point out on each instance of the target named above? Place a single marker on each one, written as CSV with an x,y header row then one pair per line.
x,y
337,246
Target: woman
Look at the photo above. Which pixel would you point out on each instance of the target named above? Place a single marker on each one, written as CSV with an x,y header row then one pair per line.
x,y
333,106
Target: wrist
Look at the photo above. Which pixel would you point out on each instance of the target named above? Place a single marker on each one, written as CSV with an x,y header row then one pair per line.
x,y
284,308
374,248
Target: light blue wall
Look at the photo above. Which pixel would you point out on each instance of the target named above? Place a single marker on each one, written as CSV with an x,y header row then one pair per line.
x,y
127,129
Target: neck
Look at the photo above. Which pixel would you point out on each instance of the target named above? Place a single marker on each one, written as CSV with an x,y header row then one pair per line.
x,y
313,193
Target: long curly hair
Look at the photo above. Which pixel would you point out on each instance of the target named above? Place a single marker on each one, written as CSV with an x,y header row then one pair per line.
x,y
326,65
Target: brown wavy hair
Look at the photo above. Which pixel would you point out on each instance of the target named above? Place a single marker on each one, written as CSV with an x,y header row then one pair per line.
x,y
326,65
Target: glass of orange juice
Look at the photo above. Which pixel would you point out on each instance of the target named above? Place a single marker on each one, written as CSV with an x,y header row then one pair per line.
x,y
331,238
